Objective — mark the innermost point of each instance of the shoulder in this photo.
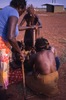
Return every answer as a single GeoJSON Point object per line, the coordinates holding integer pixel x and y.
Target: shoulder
{"type": "Point", "coordinates": [38, 19]}
{"type": "Point", "coordinates": [36, 16]}
{"type": "Point", "coordinates": [26, 16]}
{"type": "Point", "coordinates": [13, 12]}
{"type": "Point", "coordinates": [9, 11]}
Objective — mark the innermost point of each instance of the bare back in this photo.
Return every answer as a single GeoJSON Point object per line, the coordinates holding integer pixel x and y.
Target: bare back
{"type": "Point", "coordinates": [45, 62]}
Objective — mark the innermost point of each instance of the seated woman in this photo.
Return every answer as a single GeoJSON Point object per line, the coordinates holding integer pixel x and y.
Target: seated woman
{"type": "Point", "coordinates": [45, 76]}
{"type": "Point", "coordinates": [55, 53]}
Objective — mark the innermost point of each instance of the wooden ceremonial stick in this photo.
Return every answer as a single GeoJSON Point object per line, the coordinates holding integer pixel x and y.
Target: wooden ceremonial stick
{"type": "Point", "coordinates": [34, 33]}
{"type": "Point", "coordinates": [33, 37]}
{"type": "Point", "coordinates": [24, 86]}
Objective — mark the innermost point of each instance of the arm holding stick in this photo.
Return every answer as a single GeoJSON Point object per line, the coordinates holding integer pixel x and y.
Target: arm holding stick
{"type": "Point", "coordinates": [21, 28]}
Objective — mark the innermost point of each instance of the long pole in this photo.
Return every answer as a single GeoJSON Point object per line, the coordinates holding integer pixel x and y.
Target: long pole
{"type": "Point", "coordinates": [24, 86]}
{"type": "Point", "coordinates": [33, 37]}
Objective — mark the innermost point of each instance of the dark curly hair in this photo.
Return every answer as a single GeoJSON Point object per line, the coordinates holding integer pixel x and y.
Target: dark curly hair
{"type": "Point", "coordinates": [18, 3]}
{"type": "Point", "coordinates": [41, 43]}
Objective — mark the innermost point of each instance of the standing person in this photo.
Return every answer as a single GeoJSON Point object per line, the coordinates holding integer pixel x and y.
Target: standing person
{"type": "Point", "coordinates": [9, 16]}
{"type": "Point", "coordinates": [32, 22]}
{"type": "Point", "coordinates": [44, 78]}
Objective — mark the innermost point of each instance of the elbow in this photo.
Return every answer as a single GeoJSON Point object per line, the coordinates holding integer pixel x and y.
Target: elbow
{"type": "Point", "coordinates": [10, 39]}
{"type": "Point", "coordinates": [41, 26]}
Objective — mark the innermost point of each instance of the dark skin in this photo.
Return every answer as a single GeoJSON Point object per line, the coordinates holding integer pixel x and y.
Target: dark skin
{"type": "Point", "coordinates": [31, 22]}
{"type": "Point", "coordinates": [11, 32]}
{"type": "Point", "coordinates": [43, 62]}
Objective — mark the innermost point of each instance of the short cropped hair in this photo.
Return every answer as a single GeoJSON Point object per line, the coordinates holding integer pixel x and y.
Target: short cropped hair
{"type": "Point", "coordinates": [41, 43]}
{"type": "Point", "coordinates": [18, 3]}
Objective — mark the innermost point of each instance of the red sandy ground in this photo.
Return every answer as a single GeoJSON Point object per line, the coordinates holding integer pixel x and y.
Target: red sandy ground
{"type": "Point", "coordinates": [54, 29]}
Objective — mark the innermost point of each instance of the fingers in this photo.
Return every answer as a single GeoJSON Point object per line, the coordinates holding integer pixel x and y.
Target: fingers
{"type": "Point", "coordinates": [34, 27]}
